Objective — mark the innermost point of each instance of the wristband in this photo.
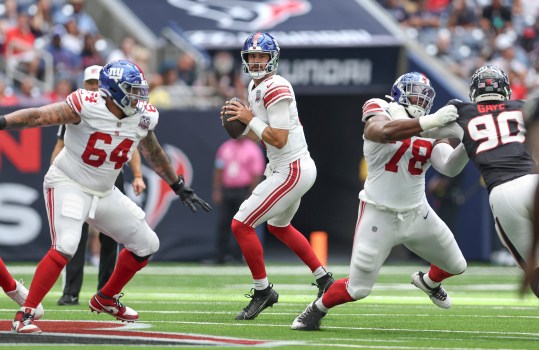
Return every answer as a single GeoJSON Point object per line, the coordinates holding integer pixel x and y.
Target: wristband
{"type": "Point", "coordinates": [2, 122]}
{"type": "Point", "coordinates": [257, 126]}
{"type": "Point", "coordinates": [178, 186]}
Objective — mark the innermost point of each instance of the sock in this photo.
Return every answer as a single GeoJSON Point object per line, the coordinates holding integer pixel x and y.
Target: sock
{"type": "Point", "coordinates": [47, 272]}
{"type": "Point", "coordinates": [335, 295]}
{"type": "Point", "coordinates": [126, 267]}
{"type": "Point", "coordinates": [251, 248]}
{"type": "Point", "coordinates": [261, 284]}
{"type": "Point", "coordinates": [297, 243]}
{"type": "Point", "coordinates": [7, 282]}
{"type": "Point", "coordinates": [320, 305]}
{"type": "Point", "coordinates": [435, 276]}
{"type": "Point", "coordinates": [320, 272]}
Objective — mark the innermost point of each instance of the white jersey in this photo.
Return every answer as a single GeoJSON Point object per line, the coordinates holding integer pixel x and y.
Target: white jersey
{"type": "Point", "coordinates": [396, 170]}
{"type": "Point", "coordinates": [97, 147]}
{"type": "Point", "coordinates": [273, 89]}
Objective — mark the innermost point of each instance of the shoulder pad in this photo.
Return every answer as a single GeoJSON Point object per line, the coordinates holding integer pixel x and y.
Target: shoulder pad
{"type": "Point", "coordinates": [277, 88]}
{"type": "Point", "coordinates": [375, 106]}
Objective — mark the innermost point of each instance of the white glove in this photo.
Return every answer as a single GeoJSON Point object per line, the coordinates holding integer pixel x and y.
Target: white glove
{"type": "Point", "coordinates": [452, 130]}
{"type": "Point", "coordinates": [440, 118]}
{"type": "Point", "coordinates": [397, 111]}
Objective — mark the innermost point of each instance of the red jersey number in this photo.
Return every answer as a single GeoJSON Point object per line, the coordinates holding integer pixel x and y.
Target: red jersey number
{"type": "Point", "coordinates": [96, 157]}
{"type": "Point", "coordinates": [421, 151]}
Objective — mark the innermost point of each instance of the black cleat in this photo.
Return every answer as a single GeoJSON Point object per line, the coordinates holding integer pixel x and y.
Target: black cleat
{"type": "Point", "coordinates": [260, 299]}
{"type": "Point", "coordinates": [67, 299]}
{"type": "Point", "coordinates": [323, 284]}
{"type": "Point", "coordinates": [309, 319]}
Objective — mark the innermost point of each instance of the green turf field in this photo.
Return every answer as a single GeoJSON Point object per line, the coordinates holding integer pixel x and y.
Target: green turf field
{"type": "Point", "coordinates": [487, 312]}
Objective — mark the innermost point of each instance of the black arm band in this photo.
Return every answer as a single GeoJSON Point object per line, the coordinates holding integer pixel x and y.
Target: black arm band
{"type": "Point", "coordinates": [178, 186]}
{"type": "Point", "coordinates": [2, 122]}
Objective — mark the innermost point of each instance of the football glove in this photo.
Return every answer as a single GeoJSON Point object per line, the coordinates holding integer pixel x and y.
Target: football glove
{"type": "Point", "coordinates": [188, 196]}
{"type": "Point", "coordinates": [440, 118]}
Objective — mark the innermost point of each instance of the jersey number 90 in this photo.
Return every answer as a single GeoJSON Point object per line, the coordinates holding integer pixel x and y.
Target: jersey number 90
{"type": "Point", "coordinates": [490, 132]}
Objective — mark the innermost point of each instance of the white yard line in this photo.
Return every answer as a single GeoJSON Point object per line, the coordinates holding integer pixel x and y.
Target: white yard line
{"type": "Point", "coordinates": [280, 269]}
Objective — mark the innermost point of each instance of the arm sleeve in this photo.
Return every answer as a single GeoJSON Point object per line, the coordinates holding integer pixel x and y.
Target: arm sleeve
{"type": "Point", "coordinates": [279, 114]}
{"type": "Point", "coordinates": [447, 160]}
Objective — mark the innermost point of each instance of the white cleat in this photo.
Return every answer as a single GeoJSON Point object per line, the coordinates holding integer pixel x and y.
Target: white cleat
{"type": "Point", "coordinates": [19, 295]}
{"type": "Point", "coordinates": [437, 295]}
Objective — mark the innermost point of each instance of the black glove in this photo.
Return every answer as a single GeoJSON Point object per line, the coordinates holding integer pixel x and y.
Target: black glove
{"type": "Point", "coordinates": [188, 196]}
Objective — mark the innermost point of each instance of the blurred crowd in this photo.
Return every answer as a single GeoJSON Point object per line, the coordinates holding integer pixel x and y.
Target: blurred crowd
{"type": "Point", "coordinates": [46, 44]}
{"type": "Point", "coordinates": [467, 34]}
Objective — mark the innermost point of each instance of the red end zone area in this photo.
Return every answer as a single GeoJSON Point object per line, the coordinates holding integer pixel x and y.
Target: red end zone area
{"type": "Point", "coordinates": [83, 332]}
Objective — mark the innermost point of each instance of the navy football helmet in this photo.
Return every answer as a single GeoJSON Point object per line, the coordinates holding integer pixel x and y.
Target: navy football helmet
{"type": "Point", "coordinates": [489, 83]}
{"type": "Point", "coordinates": [260, 42]}
{"type": "Point", "coordinates": [124, 82]}
{"type": "Point", "coordinates": [414, 92]}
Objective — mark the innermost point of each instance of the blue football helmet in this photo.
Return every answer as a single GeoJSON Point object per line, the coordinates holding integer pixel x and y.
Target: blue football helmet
{"type": "Point", "coordinates": [414, 92]}
{"type": "Point", "coordinates": [124, 82]}
{"type": "Point", "coordinates": [260, 42]}
{"type": "Point", "coordinates": [489, 83]}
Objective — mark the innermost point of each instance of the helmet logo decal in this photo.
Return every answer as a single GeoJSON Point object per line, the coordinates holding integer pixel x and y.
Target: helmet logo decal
{"type": "Point", "coordinates": [116, 73]}
{"type": "Point", "coordinates": [255, 40]}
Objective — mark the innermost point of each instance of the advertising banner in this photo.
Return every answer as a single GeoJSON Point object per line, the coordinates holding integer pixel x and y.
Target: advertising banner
{"type": "Point", "coordinates": [190, 140]}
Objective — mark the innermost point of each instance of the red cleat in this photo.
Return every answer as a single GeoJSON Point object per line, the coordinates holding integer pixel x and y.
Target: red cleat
{"type": "Point", "coordinates": [112, 306]}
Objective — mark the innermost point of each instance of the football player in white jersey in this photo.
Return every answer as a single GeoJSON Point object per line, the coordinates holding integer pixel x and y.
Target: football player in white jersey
{"type": "Point", "coordinates": [393, 208]}
{"type": "Point", "coordinates": [272, 117]}
{"type": "Point", "coordinates": [103, 129]}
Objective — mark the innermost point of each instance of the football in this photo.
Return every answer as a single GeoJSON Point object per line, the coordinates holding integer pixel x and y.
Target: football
{"type": "Point", "coordinates": [234, 128]}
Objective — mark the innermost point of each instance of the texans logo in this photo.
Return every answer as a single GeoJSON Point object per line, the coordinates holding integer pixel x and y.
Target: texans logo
{"type": "Point", "coordinates": [158, 196]}
{"type": "Point", "coordinates": [244, 15]}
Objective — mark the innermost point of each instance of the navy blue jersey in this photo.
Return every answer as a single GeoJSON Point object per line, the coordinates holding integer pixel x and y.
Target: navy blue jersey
{"type": "Point", "coordinates": [494, 138]}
